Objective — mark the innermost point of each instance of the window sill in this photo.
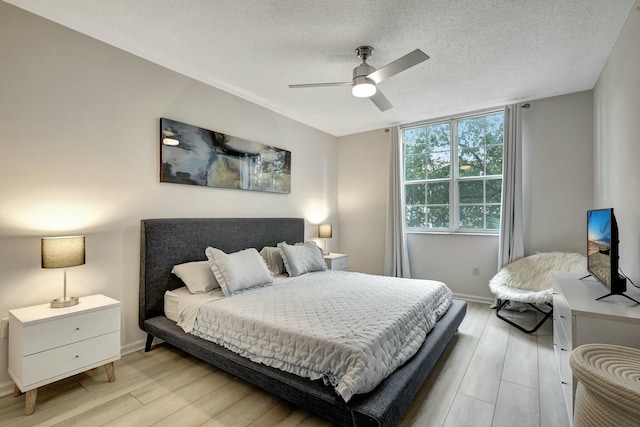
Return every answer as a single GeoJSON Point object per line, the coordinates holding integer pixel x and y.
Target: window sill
{"type": "Point", "coordinates": [453, 233]}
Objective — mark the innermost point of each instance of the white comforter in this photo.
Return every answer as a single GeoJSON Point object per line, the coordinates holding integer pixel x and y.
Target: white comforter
{"type": "Point", "coordinates": [350, 329]}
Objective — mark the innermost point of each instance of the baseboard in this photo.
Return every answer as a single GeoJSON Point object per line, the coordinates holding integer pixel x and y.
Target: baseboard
{"type": "Point", "coordinates": [474, 298]}
{"type": "Point", "coordinates": [132, 347]}
{"type": "Point", "coordinates": [6, 388]}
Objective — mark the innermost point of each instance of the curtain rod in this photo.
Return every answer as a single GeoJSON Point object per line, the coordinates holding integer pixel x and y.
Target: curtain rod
{"type": "Point", "coordinates": [525, 106]}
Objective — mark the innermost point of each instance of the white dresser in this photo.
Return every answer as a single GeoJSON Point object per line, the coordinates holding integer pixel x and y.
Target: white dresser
{"type": "Point", "coordinates": [337, 261]}
{"type": "Point", "coordinates": [48, 344]}
{"type": "Point", "coordinates": [579, 319]}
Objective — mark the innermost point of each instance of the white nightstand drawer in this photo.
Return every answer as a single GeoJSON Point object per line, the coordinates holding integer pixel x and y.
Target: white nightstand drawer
{"type": "Point", "coordinates": [79, 357]}
{"type": "Point", "coordinates": [340, 263]}
{"type": "Point", "coordinates": [337, 261]}
{"type": "Point", "coordinates": [66, 330]}
{"type": "Point", "coordinates": [48, 344]}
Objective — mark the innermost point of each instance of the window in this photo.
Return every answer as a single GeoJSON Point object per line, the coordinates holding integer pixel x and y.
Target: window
{"type": "Point", "coordinates": [453, 173]}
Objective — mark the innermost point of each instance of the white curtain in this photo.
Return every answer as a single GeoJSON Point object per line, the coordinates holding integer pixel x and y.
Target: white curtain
{"type": "Point", "coordinates": [396, 261]}
{"type": "Point", "coordinates": [511, 245]}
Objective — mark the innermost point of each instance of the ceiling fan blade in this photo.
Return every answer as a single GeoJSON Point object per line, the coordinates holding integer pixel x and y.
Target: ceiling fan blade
{"type": "Point", "coordinates": [381, 101]}
{"type": "Point", "coordinates": [321, 85]}
{"type": "Point", "coordinates": [399, 65]}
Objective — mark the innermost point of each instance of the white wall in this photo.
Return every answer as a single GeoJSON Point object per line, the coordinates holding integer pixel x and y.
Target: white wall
{"type": "Point", "coordinates": [363, 172]}
{"type": "Point", "coordinates": [363, 177]}
{"type": "Point", "coordinates": [452, 258]}
{"type": "Point", "coordinates": [557, 172]}
{"type": "Point", "coordinates": [617, 141]}
{"type": "Point", "coordinates": [79, 154]}
{"type": "Point", "coordinates": [557, 181]}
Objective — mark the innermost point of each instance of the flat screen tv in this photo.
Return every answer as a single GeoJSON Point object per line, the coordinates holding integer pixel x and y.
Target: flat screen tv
{"type": "Point", "coordinates": [602, 252]}
{"type": "Point", "coordinates": [602, 249]}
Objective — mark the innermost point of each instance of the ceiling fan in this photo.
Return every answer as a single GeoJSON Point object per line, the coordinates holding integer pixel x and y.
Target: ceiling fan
{"type": "Point", "coordinates": [366, 77]}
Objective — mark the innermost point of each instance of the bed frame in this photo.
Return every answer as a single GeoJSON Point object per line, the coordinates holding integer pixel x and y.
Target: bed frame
{"type": "Point", "coordinates": [167, 242]}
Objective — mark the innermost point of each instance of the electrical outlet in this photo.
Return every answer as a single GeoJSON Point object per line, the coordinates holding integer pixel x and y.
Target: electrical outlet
{"type": "Point", "coordinates": [4, 328]}
{"type": "Point", "coordinates": [476, 271]}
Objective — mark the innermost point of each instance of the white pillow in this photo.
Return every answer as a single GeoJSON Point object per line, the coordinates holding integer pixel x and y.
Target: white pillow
{"type": "Point", "coordinates": [273, 258]}
{"type": "Point", "coordinates": [197, 276]}
{"type": "Point", "coordinates": [238, 271]}
{"type": "Point", "coordinates": [300, 259]}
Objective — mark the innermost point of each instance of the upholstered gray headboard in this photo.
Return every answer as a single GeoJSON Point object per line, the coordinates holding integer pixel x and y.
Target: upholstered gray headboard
{"type": "Point", "coordinates": [167, 242]}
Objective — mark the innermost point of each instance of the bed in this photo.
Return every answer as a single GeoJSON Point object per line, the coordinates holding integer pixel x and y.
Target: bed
{"type": "Point", "coordinates": [168, 242]}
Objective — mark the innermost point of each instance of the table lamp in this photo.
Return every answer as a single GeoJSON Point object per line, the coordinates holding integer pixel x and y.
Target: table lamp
{"type": "Point", "coordinates": [325, 232]}
{"type": "Point", "coordinates": [63, 252]}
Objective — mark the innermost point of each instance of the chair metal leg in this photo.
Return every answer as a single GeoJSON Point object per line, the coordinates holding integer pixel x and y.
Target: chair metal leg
{"type": "Point", "coordinates": [547, 315]}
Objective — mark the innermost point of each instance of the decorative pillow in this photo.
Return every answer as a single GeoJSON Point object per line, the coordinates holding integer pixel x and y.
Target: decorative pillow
{"type": "Point", "coordinates": [300, 259]}
{"type": "Point", "coordinates": [238, 271]}
{"type": "Point", "coordinates": [197, 276]}
{"type": "Point", "coordinates": [273, 258]}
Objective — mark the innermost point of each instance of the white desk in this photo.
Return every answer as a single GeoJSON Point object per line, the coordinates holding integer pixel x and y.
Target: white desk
{"type": "Point", "coordinates": [579, 319]}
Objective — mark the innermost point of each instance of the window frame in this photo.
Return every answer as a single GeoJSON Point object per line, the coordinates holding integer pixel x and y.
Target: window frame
{"type": "Point", "coordinates": [454, 175]}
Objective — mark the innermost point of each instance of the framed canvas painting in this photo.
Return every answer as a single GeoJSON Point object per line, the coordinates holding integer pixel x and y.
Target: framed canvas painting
{"type": "Point", "coordinates": [196, 156]}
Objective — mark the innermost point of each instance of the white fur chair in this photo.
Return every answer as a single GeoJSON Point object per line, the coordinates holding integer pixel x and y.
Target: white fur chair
{"type": "Point", "coordinates": [529, 280]}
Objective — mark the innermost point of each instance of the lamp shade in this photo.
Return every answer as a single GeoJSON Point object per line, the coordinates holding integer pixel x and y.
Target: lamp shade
{"type": "Point", "coordinates": [324, 231]}
{"type": "Point", "coordinates": [62, 252]}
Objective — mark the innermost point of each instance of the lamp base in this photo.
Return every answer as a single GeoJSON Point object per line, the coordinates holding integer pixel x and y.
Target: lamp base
{"type": "Point", "coordinates": [64, 302]}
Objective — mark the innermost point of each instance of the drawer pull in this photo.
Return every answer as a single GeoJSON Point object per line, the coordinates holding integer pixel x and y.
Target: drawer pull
{"type": "Point", "coordinates": [77, 329]}
{"type": "Point", "coordinates": [563, 349]}
{"type": "Point", "coordinates": [562, 317]}
{"type": "Point", "coordinates": [563, 382]}
{"type": "Point", "coordinates": [77, 357]}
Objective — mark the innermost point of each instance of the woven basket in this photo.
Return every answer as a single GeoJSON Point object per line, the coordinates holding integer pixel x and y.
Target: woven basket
{"type": "Point", "coordinates": [608, 392]}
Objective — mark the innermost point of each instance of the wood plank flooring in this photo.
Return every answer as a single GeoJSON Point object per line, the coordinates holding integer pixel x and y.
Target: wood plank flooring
{"type": "Point", "coordinates": [491, 374]}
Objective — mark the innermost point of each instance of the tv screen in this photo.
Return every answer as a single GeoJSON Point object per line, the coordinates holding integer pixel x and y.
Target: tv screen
{"type": "Point", "coordinates": [602, 250]}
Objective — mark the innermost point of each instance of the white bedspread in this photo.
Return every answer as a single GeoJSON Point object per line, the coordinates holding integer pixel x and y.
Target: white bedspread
{"type": "Point", "coordinates": [350, 329]}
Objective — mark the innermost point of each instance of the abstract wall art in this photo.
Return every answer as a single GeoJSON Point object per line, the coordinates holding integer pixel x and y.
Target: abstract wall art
{"type": "Point", "coordinates": [196, 156]}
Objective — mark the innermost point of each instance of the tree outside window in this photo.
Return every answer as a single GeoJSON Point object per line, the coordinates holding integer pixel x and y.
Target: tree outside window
{"type": "Point", "coordinates": [453, 174]}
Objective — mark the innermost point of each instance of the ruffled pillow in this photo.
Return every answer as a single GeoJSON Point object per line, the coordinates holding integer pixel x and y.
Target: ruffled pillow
{"type": "Point", "coordinates": [238, 271]}
{"type": "Point", "coordinates": [300, 259]}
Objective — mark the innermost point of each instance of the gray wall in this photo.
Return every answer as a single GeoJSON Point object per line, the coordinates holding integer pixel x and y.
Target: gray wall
{"type": "Point", "coordinates": [557, 185]}
{"type": "Point", "coordinates": [617, 141]}
{"type": "Point", "coordinates": [363, 182]}
{"type": "Point", "coordinates": [79, 154]}
{"type": "Point", "coordinates": [557, 172]}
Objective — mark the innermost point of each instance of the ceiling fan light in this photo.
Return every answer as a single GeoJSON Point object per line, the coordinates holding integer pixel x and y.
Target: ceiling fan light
{"type": "Point", "coordinates": [363, 88]}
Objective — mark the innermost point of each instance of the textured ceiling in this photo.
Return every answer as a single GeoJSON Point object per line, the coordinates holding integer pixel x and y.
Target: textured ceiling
{"type": "Point", "coordinates": [483, 53]}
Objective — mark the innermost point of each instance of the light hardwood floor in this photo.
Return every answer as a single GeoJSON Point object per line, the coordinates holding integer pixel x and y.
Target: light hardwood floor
{"type": "Point", "coordinates": [491, 374]}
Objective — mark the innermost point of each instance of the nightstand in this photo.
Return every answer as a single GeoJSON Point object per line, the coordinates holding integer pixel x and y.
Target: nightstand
{"type": "Point", "coordinates": [337, 261]}
{"type": "Point", "coordinates": [48, 344]}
